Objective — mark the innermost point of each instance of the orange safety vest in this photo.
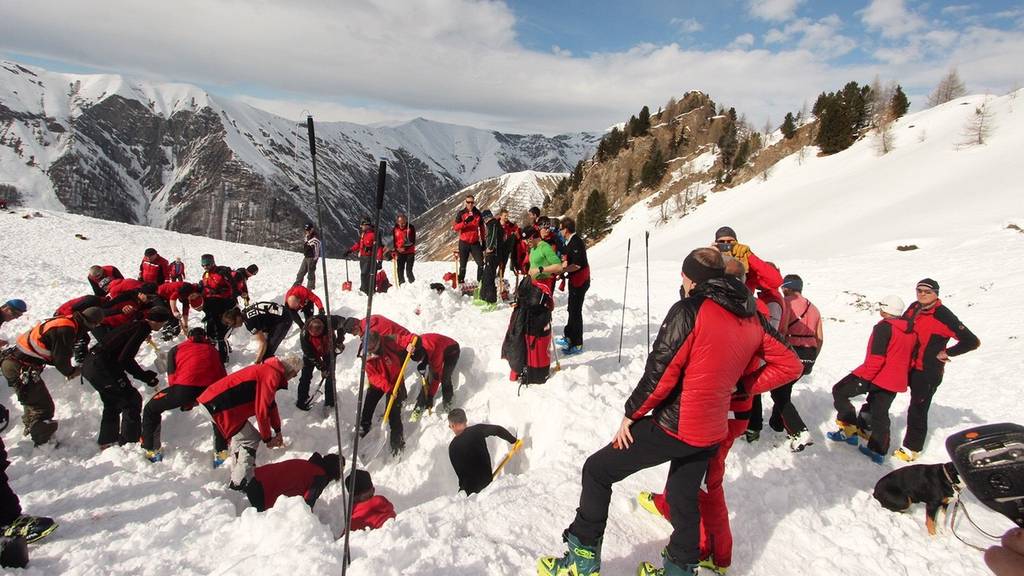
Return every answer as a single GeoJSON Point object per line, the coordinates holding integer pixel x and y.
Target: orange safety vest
{"type": "Point", "coordinates": [31, 343]}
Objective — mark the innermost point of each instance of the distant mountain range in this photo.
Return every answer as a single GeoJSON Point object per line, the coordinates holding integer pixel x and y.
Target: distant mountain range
{"type": "Point", "coordinates": [174, 156]}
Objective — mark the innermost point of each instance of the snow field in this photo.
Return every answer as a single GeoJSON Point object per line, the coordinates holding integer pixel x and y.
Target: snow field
{"type": "Point", "coordinates": [809, 513]}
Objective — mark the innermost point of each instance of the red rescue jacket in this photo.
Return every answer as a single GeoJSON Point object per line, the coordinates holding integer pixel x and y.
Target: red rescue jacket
{"type": "Point", "coordinates": [469, 231]}
{"type": "Point", "coordinates": [305, 296]}
{"type": "Point", "coordinates": [434, 346]}
{"type": "Point", "coordinates": [294, 477]}
{"type": "Point", "coordinates": [118, 287]}
{"type": "Point", "coordinates": [372, 513]}
{"type": "Point", "coordinates": [364, 247]}
{"type": "Point", "coordinates": [934, 327]}
{"type": "Point", "coordinates": [388, 327]}
{"type": "Point", "coordinates": [249, 392]}
{"type": "Point", "coordinates": [891, 351]}
{"type": "Point", "coordinates": [157, 272]}
{"type": "Point", "coordinates": [195, 364]}
{"type": "Point", "coordinates": [404, 239]}
{"type": "Point", "coordinates": [383, 367]}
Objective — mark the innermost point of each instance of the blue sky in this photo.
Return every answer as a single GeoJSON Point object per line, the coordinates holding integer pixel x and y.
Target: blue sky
{"type": "Point", "coordinates": [523, 66]}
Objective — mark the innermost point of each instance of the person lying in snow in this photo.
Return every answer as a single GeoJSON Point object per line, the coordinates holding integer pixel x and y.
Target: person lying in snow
{"type": "Point", "coordinates": [295, 477]}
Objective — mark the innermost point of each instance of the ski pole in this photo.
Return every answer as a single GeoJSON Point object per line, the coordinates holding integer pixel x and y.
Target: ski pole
{"type": "Point", "coordinates": [625, 284]}
{"type": "Point", "coordinates": [647, 266]}
{"type": "Point", "coordinates": [394, 268]}
{"type": "Point", "coordinates": [398, 382]}
{"type": "Point", "coordinates": [381, 180]}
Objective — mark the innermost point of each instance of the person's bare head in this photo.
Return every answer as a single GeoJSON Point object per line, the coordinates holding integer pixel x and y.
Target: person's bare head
{"type": "Point", "coordinates": [315, 326]}
{"type": "Point", "coordinates": [293, 302]}
{"type": "Point", "coordinates": [232, 318]}
{"type": "Point", "coordinates": [401, 219]}
{"type": "Point", "coordinates": [503, 216]}
{"type": "Point", "coordinates": [96, 272]}
{"type": "Point", "coordinates": [457, 421]}
{"type": "Point", "coordinates": [734, 267]}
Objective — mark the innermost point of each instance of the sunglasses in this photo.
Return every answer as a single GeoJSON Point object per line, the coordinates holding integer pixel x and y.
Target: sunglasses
{"type": "Point", "coordinates": [925, 291]}
{"type": "Point", "coordinates": [470, 202]}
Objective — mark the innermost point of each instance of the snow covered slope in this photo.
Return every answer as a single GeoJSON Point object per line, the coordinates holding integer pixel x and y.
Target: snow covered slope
{"type": "Point", "coordinates": [836, 221]}
{"type": "Point", "coordinates": [173, 156]}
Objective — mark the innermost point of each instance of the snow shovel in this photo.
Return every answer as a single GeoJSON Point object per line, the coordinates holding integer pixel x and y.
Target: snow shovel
{"type": "Point", "coordinates": [160, 363]}
{"type": "Point", "coordinates": [394, 267]}
{"type": "Point", "coordinates": [455, 277]}
{"type": "Point", "coordinates": [370, 449]}
{"type": "Point", "coordinates": [346, 286]}
{"type": "Point", "coordinates": [511, 452]}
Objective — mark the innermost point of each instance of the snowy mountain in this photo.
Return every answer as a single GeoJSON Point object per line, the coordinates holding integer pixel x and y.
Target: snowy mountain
{"type": "Point", "coordinates": [516, 192]}
{"type": "Point", "coordinates": [173, 156]}
{"type": "Point", "coordinates": [837, 221]}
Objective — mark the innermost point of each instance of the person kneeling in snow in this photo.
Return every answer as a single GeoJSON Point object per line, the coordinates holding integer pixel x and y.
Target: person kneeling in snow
{"type": "Point", "coordinates": [249, 392]}
{"type": "Point", "coordinates": [296, 477]}
{"type": "Point", "coordinates": [370, 511]}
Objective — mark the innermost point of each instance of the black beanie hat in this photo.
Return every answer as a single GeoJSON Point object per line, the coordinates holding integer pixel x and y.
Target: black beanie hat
{"type": "Point", "coordinates": [150, 252]}
{"type": "Point", "coordinates": [158, 314]}
{"type": "Point", "coordinates": [725, 231]}
{"type": "Point", "coordinates": [363, 482]}
{"type": "Point", "coordinates": [929, 284]}
{"type": "Point", "coordinates": [699, 273]}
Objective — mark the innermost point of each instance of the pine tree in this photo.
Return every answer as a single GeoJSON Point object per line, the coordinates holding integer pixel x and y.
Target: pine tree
{"type": "Point", "coordinates": [594, 215]}
{"type": "Point", "coordinates": [654, 168]}
{"type": "Point", "coordinates": [949, 88]}
{"type": "Point", "coordinates": [899, 104]}
{"type": "Point", "coordinates": [644, 121]}
{"type": "Point", "coordinates": [788, 126]}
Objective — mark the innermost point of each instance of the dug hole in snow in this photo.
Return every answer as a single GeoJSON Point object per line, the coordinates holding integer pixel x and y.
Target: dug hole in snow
{"type": "Point", "coordinates": [836, 221]}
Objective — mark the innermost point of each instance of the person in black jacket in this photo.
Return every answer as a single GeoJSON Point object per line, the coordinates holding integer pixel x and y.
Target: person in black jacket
{"type": "Point", "coordinates": [105, 368]}
{"type": "Point", "coordinates": [576, 266]}
{"type": "Point", "coordinates": [311, 249]}
{"type": "Point", "coordinates": [492, 243]}
{"type": "Point", "coordinates": [314, 343]}
{"type": "Point", "coordinates": [468, 451]}
{"type": "Point", "coordinates": [268, 322]}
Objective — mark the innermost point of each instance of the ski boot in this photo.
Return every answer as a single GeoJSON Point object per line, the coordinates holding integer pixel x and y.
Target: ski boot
{"type": "Point", "coordinates": [752, 436]}
{"type": "Point", "coordinates": [417, 413]}
{"type": "Point", "coordinates": [41, 431]}
{"type": "Point", "coordinates": [31, 528]}
{"type": "Point", "coordinates": [219, 458]}
{"type": "Point", "coordinates": [848, 433]}
{"type": "Point", "coordinates": [708, 565]}
{"type": "Point", "coordinates": [876, 457]}
{"type": "Point", "coordinates": [155, 456]}
{"type": "Point", "coordinates": [646, 501]}
{"type": "Point", "coordinates": [670, 569]}
{"type": "Point", "coordinates": [562, 342]}
{"type": "Point", "coordinates": [906, 454]}
{"type": "Point", "coordinates": [571, 350]}
{"type": "Point", "coordinates": [800, 440]}
{"type": "Point", "coordinates": [579, 560]}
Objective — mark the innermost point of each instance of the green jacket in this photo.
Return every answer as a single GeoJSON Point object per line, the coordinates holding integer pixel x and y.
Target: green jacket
{"type": "Point", "coordinates": [543, 255]}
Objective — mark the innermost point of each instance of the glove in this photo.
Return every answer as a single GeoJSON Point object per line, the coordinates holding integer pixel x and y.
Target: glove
{"type": "Point", "coordinates": [422, 368]}
{"type": "Point", "coordinates": [150, 378]}
{"type": "Point", "coordinates": [5, 417]}
{"type": "Point", "coordinates": [276, 442]}
{"type": "Point", "coordinates": [740, 251]}
{"type": "Point", "coordinates": [320, 311]}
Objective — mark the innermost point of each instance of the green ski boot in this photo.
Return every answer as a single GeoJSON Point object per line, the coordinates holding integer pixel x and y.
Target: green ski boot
{"type": "Point", "coordinates": [579, 560]}
{"type": "Point", "coordinates": [670, 569]}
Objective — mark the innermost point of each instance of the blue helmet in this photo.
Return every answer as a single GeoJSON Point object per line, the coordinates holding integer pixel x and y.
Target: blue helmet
{"type": "Point", "coordinates": [16, 304]}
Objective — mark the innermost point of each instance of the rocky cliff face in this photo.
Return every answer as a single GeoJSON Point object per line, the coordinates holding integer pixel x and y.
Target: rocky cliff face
{"type": "Point", "coordinates": [174, 157]}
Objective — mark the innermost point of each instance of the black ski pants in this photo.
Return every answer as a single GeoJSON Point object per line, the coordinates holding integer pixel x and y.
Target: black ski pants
{"type": "Point", "coordinates": [874, 416]}
{"type": "Point", "coordinates": [488, 288]}
{"type": "Point", "coordinates": [784, 414]}
{"type": "Point", "coordinates": [451, 360]}
{"type": "Point", "coordinates": [373, 396]}
{"type": "Point", "coordinates": [574, 326]}
{"type": "Point", "coordinates": [213, 308]}
{"type": "Point", "coordinates": [923, 384]}
{"type": "Point", "coordinates": [277, 335]}
{"type": "Point", "coordinates": [174, 396]}
{"type": "Point", "coordinates": [405, 262]}
{"type": "Point", "coordinates": [651, 446]}
{"type": "Point", "coordinates": [121, 420]}
{"type": "Point", "coordinates": [10, 506]}
{"type": "Point", "coordinates": [366, 275]}
{"type": "Point", "coordinates": [303, 400]}
{"type": "Point", "coordinates": [477, 250]}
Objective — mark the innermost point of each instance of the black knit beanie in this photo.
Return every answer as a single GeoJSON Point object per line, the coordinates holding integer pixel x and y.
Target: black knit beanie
{"type": "Point", "coordinates": [699, 273]}
{"type": "Point", "coordinates": [725, 231]}
{"type": "Point", "coordinates": [929, 284]}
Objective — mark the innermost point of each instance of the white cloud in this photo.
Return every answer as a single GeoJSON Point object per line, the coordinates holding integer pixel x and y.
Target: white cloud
{"type": "Point", "coordinates": [742, 42]}
{"type": "Point", "coordinates": [774, 10]}
{"type": "Point", "coordinates": [957, 9]}
{"type": "Point", "coordinates": [891, 18]}
{"type": "Point", "coordinates": [460, 61]}
{"type": "Point", "coordinates": [687, 25]}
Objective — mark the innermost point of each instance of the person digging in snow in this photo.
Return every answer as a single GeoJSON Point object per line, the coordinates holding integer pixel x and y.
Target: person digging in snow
{"type": "Point", "coordinates": [295, 477]}
{"type": "Point", "coordinates": [468, 451]}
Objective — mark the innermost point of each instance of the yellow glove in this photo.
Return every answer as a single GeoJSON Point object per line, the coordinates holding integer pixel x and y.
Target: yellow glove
{"type": "Point", "coordinates": [740, 252]}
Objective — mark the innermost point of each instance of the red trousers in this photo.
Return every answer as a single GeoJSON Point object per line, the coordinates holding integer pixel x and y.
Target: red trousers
{"type": "Point", "coordinates": [715, 534]}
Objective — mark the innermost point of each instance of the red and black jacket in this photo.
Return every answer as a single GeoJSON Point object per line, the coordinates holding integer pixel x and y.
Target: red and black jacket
{"type": "Point", "coordinates": [78, 304]}
{"type": "Point", "coordinates": [430, 349]}
{"type": "Point", "coordinates": [761, 275]}
{"type": "Point", "coordinates": [156, 271]}
{"type": "Point", "coordinates": [404, 239]}
{"type": "Point", "coordinates": [315, 347]}
{"type": "Point", "coordinates": [296, 477]}
{"type": "Point", "coordinates": [119, 287]}
{"type": "Point", "coordinates": [216, 283]}
{"type": "Point", "coordinates": [705, 345]}
{"type": "Point", "coordinates": [388, 327]}
{"type": "Point", "coordinates": [372, 513]}
{"type": "Point", "coordinates": [469, 225]}
{"type": "Point", "coordinates": [934, 327]}
{"type": "Point", "coordinates": [364, 247]}
{"type": "Point", "coordinates": [99, 287]}
{"type": "Point", "coordinates": [890, 354]}
{"type": "Point", "coordinates": [382, 368]}
{"type": "Point", "coordinates": [240, 282]}
{"type": "Point", "coordinates": [305, 296]}
{"type": "Point", "coordinates": [194, 363]}
{"type": "Point", "coordinates": [249, 392]}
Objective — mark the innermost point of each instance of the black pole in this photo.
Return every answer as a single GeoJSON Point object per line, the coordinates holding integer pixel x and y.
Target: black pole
{"type": "Point", "coordinates": [382, 171]}
{"type": "Point", "coordinates": [331, 382]}
{"type": "Point", "coordinates": [647, 266]}
{"type": "Point", "coordinates": [625, 284]}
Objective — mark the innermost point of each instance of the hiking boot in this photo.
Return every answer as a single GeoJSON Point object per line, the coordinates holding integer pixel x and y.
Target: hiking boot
{"type": "Point", "coordinates": [239, 486]}
{"type": "Point", "coordinates": [708, 565]}
{"type": "Point", "coordinates": [447, 405]}
{"type": "Point", "coordinates": [646, 501]}
{"type": "Point", "coordinates": [41, 431]}
{"type": "Point", "coordinates": [220, 458]}
{"type": "Point", "coordinates": [848, 433]}
{"type": "Point", "coordinates": [906, 454]}
{"type": "Point", "coordinates": [800, 440]}
{"type": "Point", "coordinates": [579, 560]}
{"type": "Point", "coordinates": [752, 436]}
{"type": "Point", "coordinates": [876, 457]}
{"type": "Point", "coordinates": [155, 456]}
{"type": "Point", "coordinates": [31, 528]}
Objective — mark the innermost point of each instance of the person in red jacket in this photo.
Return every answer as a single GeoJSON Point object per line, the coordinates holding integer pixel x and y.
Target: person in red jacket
{"type": "Point", "coordinates": [241, 395]}
{"type": "Point", "coordinates": [469, 226]}
{"type": "Point", "coordinates": [363, 249]}
{"type": "Point", "coordinates": [378, 323]}
{"type": "Point", "coordinates": [370, 511]}
{"type": "Point", "coordinates": [240, 281]}
{"type": "Point", "coordinates": [100, 277]}
{"type": "Point", "coordinates": [882, 375]}
{"type": "Point", "coordinates": [403, 247]}
{"type": "Point", "coordinates": [174, 293]}
{"type": "Point", "coordinates": [383, 366]}
{"type": "Point", "coordinates": [934, 325]}
{"type": "Point", "coordinates": [118, 287]}
{"type": "Point", "coordinates": [218, 297]}
{"type": "Point", "coordinates": [704, 347]}
{"type": "Point", "coordinates": [509, 239]}
{"type": "Point", "coordinates": [299, 298]}
{"type": "Point", "coordinates": [295, 477]}
{"type": "Point", "coordinates": [760, 275]}
{"type": "Point", "coordinates": [191, 367]}
{"type": "Point", "coordinates": [154, 269]}
{"type": "Point", "coordinates": [437, 356]}
{"type": "Point", "coordinates": [315, 354]}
